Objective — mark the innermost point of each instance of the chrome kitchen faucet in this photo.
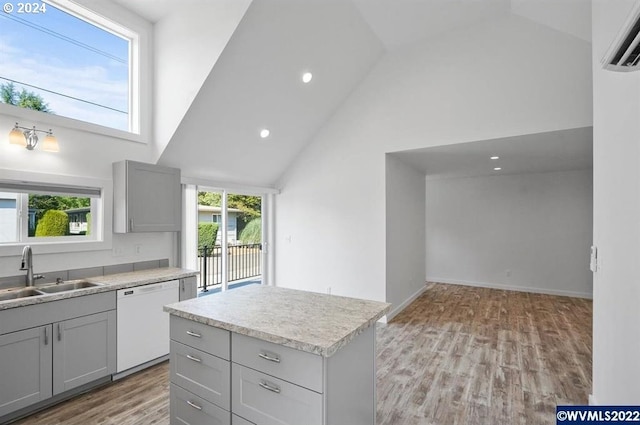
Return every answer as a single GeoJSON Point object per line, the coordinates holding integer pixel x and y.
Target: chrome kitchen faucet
{"type": "Point", "coordinates": [27, 264]}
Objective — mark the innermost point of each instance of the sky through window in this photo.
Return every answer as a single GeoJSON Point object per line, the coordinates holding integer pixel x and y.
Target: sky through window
{"type": "Point", "coordinates": [79, 69]}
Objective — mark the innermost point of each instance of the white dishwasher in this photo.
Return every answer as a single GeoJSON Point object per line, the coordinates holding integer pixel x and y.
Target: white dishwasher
{"type": "Point", "coordinates": [143, 328]}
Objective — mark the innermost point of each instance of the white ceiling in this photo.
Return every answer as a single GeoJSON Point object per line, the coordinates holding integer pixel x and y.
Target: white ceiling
{"type": "Point", "coordinates": [534, 153]}
{"type": "Point", "coordinates": [399, 22]}
{"type": "Point", "coordinates": [255, 82]}
{"type": "Point", "coordinates": [154, 10]}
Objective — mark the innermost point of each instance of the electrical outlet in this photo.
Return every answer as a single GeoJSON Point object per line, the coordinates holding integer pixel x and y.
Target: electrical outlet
{"type": "Point", "coordinates": [117, 252]}
{"type": "Point", "coordinates": [507, 273]}
{"type": "Point", "coordinates": [138, 249]}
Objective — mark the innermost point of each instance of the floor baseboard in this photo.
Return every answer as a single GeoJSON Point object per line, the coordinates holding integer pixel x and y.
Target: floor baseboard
{"type": "Point", "coordinates": [396, 310]}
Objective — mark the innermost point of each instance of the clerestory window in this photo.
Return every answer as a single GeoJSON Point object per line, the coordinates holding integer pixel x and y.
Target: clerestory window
{"type": "Point", "coordinates": [63, 59]}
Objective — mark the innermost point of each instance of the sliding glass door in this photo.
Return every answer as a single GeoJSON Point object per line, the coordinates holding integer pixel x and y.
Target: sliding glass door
{"type": "Point", "coordinates": [229, 232]}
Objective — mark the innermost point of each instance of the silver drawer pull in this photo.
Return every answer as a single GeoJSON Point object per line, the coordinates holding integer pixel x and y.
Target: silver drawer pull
{"type": "Point", "coordinates": [272, 388]}
{"type": "Point", "coordinates": [270, 357]}
{"type": "Point", "coordinates": [195, 359]}
{"type": "Point", "coordinates": [195, 406]}
{"type": "Point", "coordinates": [194, 334]}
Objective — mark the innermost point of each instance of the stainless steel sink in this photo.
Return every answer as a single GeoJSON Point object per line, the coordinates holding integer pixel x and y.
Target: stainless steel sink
{"type": "Point", "coordinates": [14, 294]}
{"type": "Point", "coordinates": [68, 286]}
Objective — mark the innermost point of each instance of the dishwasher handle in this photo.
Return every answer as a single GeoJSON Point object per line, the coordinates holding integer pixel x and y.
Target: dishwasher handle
{"type": "Point", "coordinates": [145, 289]}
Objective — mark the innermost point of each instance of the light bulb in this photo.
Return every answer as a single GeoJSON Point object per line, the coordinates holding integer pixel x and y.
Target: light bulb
{"type": "Point", "coordinates": [50, 143]}
{"type": "Point", "coordinates": [16, 137]}
{"type": "Point", "coordinates": [306, 77]}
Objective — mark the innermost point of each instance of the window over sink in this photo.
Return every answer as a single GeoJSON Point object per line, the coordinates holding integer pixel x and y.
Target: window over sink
{"type": "Point", "coordinates": [53, 215]}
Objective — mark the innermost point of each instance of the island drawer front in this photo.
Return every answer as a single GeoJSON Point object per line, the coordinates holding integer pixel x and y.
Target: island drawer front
{"type": "Point", "coordinates": [266, 400]}
{"type": "Point", "coordinates": [187, 408]}
{"type": "Point", "coordinates": [298, 367]}
{"type": "Point", "coordinates": [203, 337]}
{"type": "Point", "coordinates": [237, 420]}
{"type": "Point", "coordinates": [207, 376]}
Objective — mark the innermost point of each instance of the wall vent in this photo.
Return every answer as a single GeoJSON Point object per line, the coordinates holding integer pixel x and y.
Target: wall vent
{"type": "Point", "coordinates": [624, 53]}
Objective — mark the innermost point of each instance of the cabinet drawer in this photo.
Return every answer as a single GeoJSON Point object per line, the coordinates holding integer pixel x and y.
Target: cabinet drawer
{"type": "Point", "coordinates": [298, 367]}
{"type": "Point", "coordinates": [187, 408]}
{"type": "Point", "coordinates": [266, 400]}
{"type": "Point", "coordinates": [206, 338]}
{"type": "Point", "coordinates": [204, 375]}
{"type": "Point", "coordinates": [237, 420]}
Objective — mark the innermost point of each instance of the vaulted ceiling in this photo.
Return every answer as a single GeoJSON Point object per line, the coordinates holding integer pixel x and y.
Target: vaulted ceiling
{"type": "Point", "coordinates": [256, 82]}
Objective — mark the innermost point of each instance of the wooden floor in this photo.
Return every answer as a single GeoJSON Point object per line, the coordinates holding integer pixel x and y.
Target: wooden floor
{"type": "Point", "coordinates": [462, 355]}
{"type": "Point", "coordinates": [457, 355]}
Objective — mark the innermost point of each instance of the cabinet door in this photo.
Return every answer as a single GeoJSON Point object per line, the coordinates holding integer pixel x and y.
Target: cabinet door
{"type": "Point", "coordinates": [83, 350]}
{"type": "Point", "coordinates": [153, 198]}
{"type": "Point", "coordinates": [266, 400]}
{"type": "Point", "coordinates": [207, 376]}
{"type": "Point", "coordinates": [188, 409]}
{"type": "Point", "coordinates": [188, 288]}
{"type": "Point", "coordinates": [25, 368]}
{"type": "Point", "coordinates": [237, 420]}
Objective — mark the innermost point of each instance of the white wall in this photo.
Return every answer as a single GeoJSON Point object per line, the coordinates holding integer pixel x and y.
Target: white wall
{"type": "Point", "coordinates": [526, 231]}
{"type": "Point", "coordinates": [493, 80]}
{"type": "Point", "coordinates": [405, 233]}
{"type": "Point", "coordinates": [616, 146]}
{"type": "Point", "coordinates": [188, 42]}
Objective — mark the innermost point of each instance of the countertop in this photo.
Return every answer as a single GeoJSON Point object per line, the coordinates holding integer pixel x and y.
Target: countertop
{"type": "Point", "coordinates": [316, 323]}
{"type": "Point", "coordinates": [107, 283]}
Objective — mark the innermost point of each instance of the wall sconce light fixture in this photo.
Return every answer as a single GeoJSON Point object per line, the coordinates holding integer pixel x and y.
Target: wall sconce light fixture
{"type": "Point", "coordinates": [28, 138]}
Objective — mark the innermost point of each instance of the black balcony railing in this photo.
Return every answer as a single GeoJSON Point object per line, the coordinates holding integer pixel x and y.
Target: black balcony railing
{"type": "Point", "coordinates": [244, 261]}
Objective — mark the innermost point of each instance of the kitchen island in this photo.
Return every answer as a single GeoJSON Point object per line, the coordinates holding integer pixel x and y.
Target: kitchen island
{"type": "Point", "coordinates": [267, 355]}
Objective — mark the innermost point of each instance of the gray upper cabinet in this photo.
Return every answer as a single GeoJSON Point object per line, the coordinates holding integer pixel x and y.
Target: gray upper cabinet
{"type": "Point", "coordinates": [146, 198]}
{"type": "Point", "coordinates": [25, 368]}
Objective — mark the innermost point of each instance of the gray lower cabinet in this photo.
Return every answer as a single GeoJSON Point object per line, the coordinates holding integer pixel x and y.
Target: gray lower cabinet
{"type": "Point", "coordinates": [267, 383]}
{"type": "Point", "coordinates": [266, 399]}
{"type": "Point", "coordinates": [237, 420]}
{"type": "Point", "coordinates": [188, 288]}
{"type": "Point", "coordinates": [83, 350]}
{"type": "Point", "coordinates": [50, 348]}
{"type": "Point", "coordinates": [189, 409]}
{"type": "Point", "coordinates": [200, 374]}
{"type": "Point", "coordinates": [25, 368]}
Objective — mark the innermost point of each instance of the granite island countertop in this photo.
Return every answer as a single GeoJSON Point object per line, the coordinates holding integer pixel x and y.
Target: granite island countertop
{"type": "Point", "coordinates": [312, 322]}
{"type": "Point", "coordinates": [111, 282]}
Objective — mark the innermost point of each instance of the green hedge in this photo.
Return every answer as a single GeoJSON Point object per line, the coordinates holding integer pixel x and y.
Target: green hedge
{"type": "Point", "coordinates": [53, 223]}
{"type": "Point", "coordinates": [207, 233]}
{"type": "Point", "coordinates": [252, 232]}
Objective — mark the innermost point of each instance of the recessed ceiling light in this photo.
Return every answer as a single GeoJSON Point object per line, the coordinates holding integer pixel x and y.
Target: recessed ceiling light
{"type": "Point", "coordinates": [495, 157]}
{"type": "Point", "coordinates": [264, 133]}
{"type": "Point", "coordinates": [497, 169]}
{"type": "Point", "coordinates": [306, 77]}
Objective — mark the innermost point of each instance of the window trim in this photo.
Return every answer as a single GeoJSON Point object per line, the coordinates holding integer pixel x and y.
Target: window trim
{"type": "Point", "coordinates": [141, 56]}
{"type": "Point", "coordinates": [102, 215]}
